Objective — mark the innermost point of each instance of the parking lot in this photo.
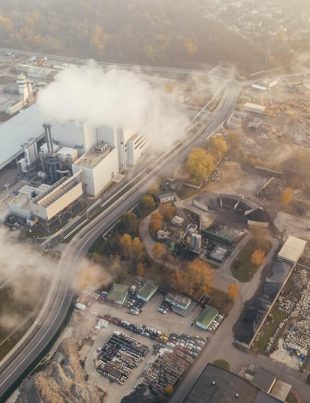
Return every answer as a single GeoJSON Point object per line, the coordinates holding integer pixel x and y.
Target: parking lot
{"type": "Point", "coordinates": [177, 332]}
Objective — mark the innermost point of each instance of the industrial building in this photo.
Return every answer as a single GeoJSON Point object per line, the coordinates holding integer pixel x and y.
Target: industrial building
{"type": "Point", "coordinates": [118, 293]}
{"type": "Point", "coordinates": [217, 385]}
{"type": "Point", "coordinates": [98, 167]}
{"type": "Point", "coordinates": [146, 292]}
{"type": "Point", "coordinates": [255, 108]}
{"type": "Point", "coordinates": [50, 153]}
{"type": "Point", "coordinates": [57, 198]}
{"type": "Point", "coordinates": [206, 317]}
{"type": "Point", "coordinates": [292, 250]}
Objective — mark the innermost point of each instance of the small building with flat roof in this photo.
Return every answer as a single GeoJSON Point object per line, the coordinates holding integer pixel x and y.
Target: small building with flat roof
{"type": "Point", "coordinates": [147, 291]}
{"type": "Point", "coordinates": [292, 249]}
{"type": "Point", "coordinates": [249, 107]}
{"type": "Point", "coordinates": [118, 293]}
{"type": "Point", "coordinates": [179, 301]}
{"type": "Point", "coordinates": [206, 317]}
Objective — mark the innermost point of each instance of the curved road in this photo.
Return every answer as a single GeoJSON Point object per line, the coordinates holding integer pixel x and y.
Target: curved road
{"type": "Point", "coordinates": [59, 299]}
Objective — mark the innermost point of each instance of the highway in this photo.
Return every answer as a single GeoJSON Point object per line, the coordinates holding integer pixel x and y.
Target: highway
{"type": "Point", "coordinates": [59, 299]}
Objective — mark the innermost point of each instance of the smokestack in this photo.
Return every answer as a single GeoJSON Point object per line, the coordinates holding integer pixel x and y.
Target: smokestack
{"type": "Point", "coordinates": [50, 138]}
{"type": "Point", "coordinates": [47, 137]}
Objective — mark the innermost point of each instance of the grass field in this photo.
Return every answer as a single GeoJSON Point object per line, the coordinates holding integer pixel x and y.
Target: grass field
{"type": "Point", "coordinates": [242, 267]}
{"type": "Point", "coordinates": [268, 330]}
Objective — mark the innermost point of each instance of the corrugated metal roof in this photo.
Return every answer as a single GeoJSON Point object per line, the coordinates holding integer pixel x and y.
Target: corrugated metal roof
{"type": "Point", "coordinates": [292, 249]}
{"type": "Point", "coordinates": [17, 130]}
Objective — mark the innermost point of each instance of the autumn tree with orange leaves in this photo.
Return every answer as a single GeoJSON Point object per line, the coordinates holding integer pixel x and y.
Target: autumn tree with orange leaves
{"type": "Point", "coordinates": [287, 196]}
{"type": "Point", "coordinates": [258, 256]}
{"type": "Point", "coordinates": [194, 280]}
{"type": "Point", "coordinates": [156, 222]}
{"type": "Point", "coordinates": [233, 290]}
{"type": "Point", "coordinates": [159, 251]}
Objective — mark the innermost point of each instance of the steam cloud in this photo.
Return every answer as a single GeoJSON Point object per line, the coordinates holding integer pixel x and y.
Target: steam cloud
{"type": "Point", "coordinates": [116, 98]}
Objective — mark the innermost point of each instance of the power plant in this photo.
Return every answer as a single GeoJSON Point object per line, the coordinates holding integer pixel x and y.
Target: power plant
{"type": "Point", "coordinates": [62, 162]}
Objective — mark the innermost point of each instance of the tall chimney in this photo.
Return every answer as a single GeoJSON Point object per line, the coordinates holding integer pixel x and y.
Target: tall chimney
{"type": "Point", "coordinates": [47, 137]}
{"type": "Point", "coordinates": [50, 138]}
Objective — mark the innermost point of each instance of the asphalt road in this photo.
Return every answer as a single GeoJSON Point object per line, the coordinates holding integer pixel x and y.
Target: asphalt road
{"type": "Point", "coordinates": [59, 300]}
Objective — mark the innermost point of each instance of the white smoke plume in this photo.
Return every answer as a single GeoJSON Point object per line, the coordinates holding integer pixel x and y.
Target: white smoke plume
{"type": "Point", "coordinates": [116, 98]}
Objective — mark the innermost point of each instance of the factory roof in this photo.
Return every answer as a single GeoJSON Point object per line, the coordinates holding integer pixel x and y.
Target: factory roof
{"type": "Point", "coordinates": [217, 385]}
{"type": "Point", "coordinates": [118, 293]}
{"type": "Point", "coordinates": [292, 249]}
{"type": "Point", "coordinates": [56, 191]}
{"type": "Point", "coordinates": [17, 130]}
{"type": "Point", "coordinates": [264, 379]}
{"type": "Point", "coordinates": [254, 107]}
{"type": "Point", "coordinates": [94, 156]}
{"type": "Point", "coordinates": [206, 316]}
{"type": "Point", "coordinates": [67, 151]}
{"type": "Point", "coordinates": [147, 291]}
{"type": "Point", "coordinates": [178, 300]}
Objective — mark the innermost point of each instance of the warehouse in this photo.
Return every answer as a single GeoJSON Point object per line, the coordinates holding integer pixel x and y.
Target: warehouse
{"type": "Point", "coordinates": [249, 107]}
{"type": "Point", "coordinates": [206, 317]}
{"type": "Point", "coordinates": [292, 250]}
{"type": "Point", "coordinates": [217, 385]}
{"type": "Point", "coordinates": [118, 293]}
{"type": "Point", "coordinates": [146, 292]}
{"type": "Point", "coordinates": [57, 198]}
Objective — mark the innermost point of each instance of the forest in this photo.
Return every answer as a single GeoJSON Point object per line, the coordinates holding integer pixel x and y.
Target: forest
{"type": "Point", "coordinates": [167, 33]}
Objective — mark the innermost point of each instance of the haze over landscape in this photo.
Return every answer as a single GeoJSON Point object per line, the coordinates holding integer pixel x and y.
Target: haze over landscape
{"type": "Point", "coordinates": [154, 201]}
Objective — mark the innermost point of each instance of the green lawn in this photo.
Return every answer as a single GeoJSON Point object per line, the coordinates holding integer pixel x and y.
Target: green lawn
{"type": "Point", "coordinates": [222, 364]}
{"type": "Point", "coordinates": [242, 268]}
{"type": "Point", "coordinates": [268, 330]}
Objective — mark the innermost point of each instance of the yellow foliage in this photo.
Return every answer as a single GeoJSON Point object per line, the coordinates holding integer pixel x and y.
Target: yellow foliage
{"type": "Point", "coordinates": [257, 257]}
{"type": "Point", "coordinates": [6, 23]}
{"type": "Point", "coordinates": [190, 46]}
{"type": "Point", "coordinates": [233, 290]}
{"type": "Point", "coordinates": [199, 164]}
{"type": "Point", "coordinates": [287, 196]}
{"type": "Point", "coordinates": [156, 222]}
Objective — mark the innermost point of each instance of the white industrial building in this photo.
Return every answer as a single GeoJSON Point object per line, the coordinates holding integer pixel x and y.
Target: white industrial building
{"type": "Point", "coordinates": [57, 198]}
{"type": "Point", "coordinates": [98, 167]}
{"type": "Point", "coordinates": [292, 249]}
{"type": "Point", "coordinates": [255, 108]}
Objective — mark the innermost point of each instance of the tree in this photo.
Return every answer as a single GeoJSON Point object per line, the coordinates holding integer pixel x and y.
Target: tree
{"type": "Point", "coordinates": [147, 202]}
{"type": "Point", "coordinates": [98, 38]}
{"type": "Point", "coordinates": [190, 46]}
{"type": "Point", "coordinates": [159, 251]}
{"type": "Point", "coordinates": [169, 389]}
{"type": "Point", "coordinates": [233, 290]}
{"type": "Point", "coordinates": [6, 23]}
{"type": "Point", "coordinates": [218, 146]}
{"type": "Point", "coordinates": [195, 280]}
{"type": "Point", "coordinates": [199, 164]}
{"type": "Point", "coordinates": [140, 270]}
{"type": "Point", "coordinates": [257, 257]}
{"type": "Point", "coordinates": [129, 223]}
{"type": "Point", "coordinates": [156, 222]}
{"type": "Point", "coordinates": [137, 249]}
{"type": "Point", "coordinates": [126, 246]}
{"type": "Point", "coordinates": [167, 210]}
{"type": "Point", "coordinates": [287, 196]}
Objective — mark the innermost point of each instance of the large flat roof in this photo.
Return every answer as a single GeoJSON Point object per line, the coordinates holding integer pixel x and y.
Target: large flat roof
{"type": "Point", "coordinates": [292, 249]}
{"type": "Point", "coordinates": [217, 385]}
{"type": "Point", "coordinates": [17, 130]}
{"type": "Point", "coordinates": [93, 157]}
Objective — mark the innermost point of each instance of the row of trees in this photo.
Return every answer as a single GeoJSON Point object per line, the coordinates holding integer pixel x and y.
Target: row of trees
{"type": "Point", "coordinates": [201, 162]}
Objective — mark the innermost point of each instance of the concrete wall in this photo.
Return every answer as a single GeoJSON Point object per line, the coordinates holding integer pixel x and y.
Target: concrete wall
{"type": "Point", "coordinates": [97, 178]}
{"type": "Point", "coordinates": [60, 204]}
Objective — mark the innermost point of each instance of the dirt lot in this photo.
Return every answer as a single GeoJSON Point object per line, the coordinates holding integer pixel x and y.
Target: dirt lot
{"type": "Point", "coordinates": [85, 322]}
